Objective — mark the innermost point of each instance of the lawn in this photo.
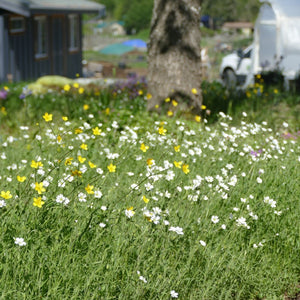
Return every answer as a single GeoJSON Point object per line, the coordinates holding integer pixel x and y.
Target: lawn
{"type": "Point", "coordinates": [100, 199]}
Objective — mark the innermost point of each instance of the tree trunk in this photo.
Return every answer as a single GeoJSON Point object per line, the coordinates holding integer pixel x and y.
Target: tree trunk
{"type": "Point", "coordinates": [174, 54]}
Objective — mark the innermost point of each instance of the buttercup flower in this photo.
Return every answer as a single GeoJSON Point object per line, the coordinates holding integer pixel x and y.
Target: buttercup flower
{"type": "Point", "coordinates": [47, 117]}
{"type": "Point", "coordinates": [38, 202]}
{"type": "Point", "coordinates": [111, 168]}
{"type": "Point", "coordinates": [6, 195]}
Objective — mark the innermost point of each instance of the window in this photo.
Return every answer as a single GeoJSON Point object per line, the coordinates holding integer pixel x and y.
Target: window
{"type": "Point", "coordinates": [16, 25]}
{"type": "Point", "coordinates": [40, 37]}
{"type": "Point", "coordinates": [73, 33]}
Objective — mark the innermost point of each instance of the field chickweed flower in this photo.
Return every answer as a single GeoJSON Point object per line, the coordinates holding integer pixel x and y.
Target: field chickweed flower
{"type": "Point", "coordinates": [174, 294]}
{"type": "Point", "coordinates": [20, 242]}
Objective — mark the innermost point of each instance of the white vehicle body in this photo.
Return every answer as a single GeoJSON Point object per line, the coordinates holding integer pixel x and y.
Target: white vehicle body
{"type": "Point", "coordinates": [276, 45]}
{"type": "Point", "coordinates": [235, 67]}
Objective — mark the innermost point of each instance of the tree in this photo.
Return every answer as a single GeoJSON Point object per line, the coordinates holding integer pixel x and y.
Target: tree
{"type": "Point", "coordinates": [174, 54]}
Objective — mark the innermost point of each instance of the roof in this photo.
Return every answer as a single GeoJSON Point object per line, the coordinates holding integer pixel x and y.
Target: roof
{"type": "Point", "coordinates": [237, 25]}
{"type": "Point", "coordinates": [28, 7]}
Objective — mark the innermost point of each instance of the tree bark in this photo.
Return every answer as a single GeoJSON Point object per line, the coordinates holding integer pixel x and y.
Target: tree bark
{"type": "Point", "coordinates": [174, 54]}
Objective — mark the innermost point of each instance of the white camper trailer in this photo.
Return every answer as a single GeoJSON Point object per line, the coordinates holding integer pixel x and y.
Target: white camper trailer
{"type": "Point", "coordinates": [276, 43]}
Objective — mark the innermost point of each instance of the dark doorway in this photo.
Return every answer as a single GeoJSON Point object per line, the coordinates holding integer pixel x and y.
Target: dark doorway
{"type": "Point", "coordinates": [58, 39]}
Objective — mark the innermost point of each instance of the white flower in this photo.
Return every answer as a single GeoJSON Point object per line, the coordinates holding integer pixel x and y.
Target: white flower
{"type": "Point", "coordinates": [129, 213]}
{"type": "Point", "coordinates": [20, 241]}
{"type": "Point", "coordinates": [97, 194]}
{"type": "Point", "coordinates": [223, 226]}
{"type": "Point", "coordinates": [99, 171]}
{"type": "Point", "coordinates": [202, 243]}
{"type": "Point", "coordinates": [102, 225]}
{"type": "Point", "coordinates": [177, 229]}
{"type": "Point", "coordinates": [259, 180]}
{"type": "Point", "coordinates": [143, 279]}
{"type": "Point", "coordinates": [104, 208]}
{"type": "Point", "coordinates": [284, 124]}
{"type": "Point", "coordinates": [82, 197]}
{"type": "Point", "coordinates": [215, 219]}
{"type": "Point", "coordinates": [174, 294]}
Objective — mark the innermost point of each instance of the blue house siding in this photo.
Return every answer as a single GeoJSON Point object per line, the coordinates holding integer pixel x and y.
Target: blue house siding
{"type": "Point", "coordinates": [2, 48]}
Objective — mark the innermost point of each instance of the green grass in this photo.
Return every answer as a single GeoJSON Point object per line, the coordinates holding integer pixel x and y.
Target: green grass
{"type": "Point", "coordinates": [131, 60]}
{"type": "Point", "coordinates": [98, 248]}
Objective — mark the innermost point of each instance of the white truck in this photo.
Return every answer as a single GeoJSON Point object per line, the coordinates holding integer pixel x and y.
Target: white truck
{"type": "Point", "coordinates": [276, 46]}
{"type": "Point", "coordinates": [235, 67]}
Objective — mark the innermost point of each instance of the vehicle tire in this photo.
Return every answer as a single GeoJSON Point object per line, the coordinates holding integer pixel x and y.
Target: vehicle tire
{"type": "Point", "coordinates": [229, 79]}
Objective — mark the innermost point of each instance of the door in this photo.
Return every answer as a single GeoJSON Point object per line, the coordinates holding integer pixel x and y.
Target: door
{"type": "Point", "coordinates": [59, 57]}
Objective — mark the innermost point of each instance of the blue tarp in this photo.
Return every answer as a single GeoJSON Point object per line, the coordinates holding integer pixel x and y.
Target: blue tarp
{"type": "Point", "coordinates": [116, 49]}
{"type": "Point", "coordinates": [135, 43]}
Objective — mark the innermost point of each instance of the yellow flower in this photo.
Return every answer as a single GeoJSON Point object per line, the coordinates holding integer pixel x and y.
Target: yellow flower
{"type": "Point", "coordinates": [156, 106]}
{"type": "Point", "coordinates": [36, 164]}
{"type": "Point", "coordinates": [68, 161]}
{"type": "Point", "coordinates": [111, 168]}
{"type": "Point", "coordinates": [67, 87]}
{"type": "Point", "coordinates": [89, 189]}
{"type": "Point", "coordinates": [167, 100]}
{"type": "Point", "coordinates": [59, 138]}
{"type": "Point", "coordinates": [77, 75]}
{"type": "Point", "coordinates": [76, 85]}
{"type": "Point", "coordinates": [185, 168]}
{"type": "Point", "coordinates": [203, 107]}
{"type": "Point", "coordinates": [194, 91]}
{"type": "Point", "coordinates": [198, 119]}
{"type": "Point", "coordinates": [21, 178]}
{"type": "Point", "coordinates": [148, 96]}
{"type": "Point", "coordinates": [258, 76]}
{"type": "Point", "coordinates": [150, 162]}
{"type": "Point", "coordinates": [275, 91]}
{"type": "Point", "coordinates": [84, 146]}
{"type": "Point", "coordinates": [174, 103]}
{"type": "Point", "coordinates": [39, 187]}
{"type": "Point", "coordinates": [170, 113]}
{"type": "Point", "coordinates": [38, 202]}
{"type": "Point", "coordinates": [6, 88]}
{"type": "Point", "coordinates": [177, 148]}
{"type": "Point", "coordinates": [47, 117]}
{"type": "Point", "coordinates": [92, 166]}
{"type": "Point", "coordinates": [162, 130]}
{"type": "Point", "coordinates": [144, 148]}
{"type": "Point", "coordinates": [86, 107]}
{"type": "Point", "coordinates": [140, 92]}
{"type": "Point", "coordinates": [76, 173]}
{"type": "Point", "coordinates": [78, 130]}
{"type": "Point", "coordinates": [81, 159]}
{"type": "Point", "coordinates": [248, 94]}
{"type": "Point", "coordinates": [96, 131]}
{"type": "Point", "coordinates": [178, 164]}
{"type": "Point", "coordinates": [6, 195]}
{"type": "Point", "coordinates": [81, 90]}
{"type": "Point", "coordinates": [107, 111]}
{"type": "Point", "coordinates": [3, 110]}
{"type": "Point", "coordinates": [146, 200]}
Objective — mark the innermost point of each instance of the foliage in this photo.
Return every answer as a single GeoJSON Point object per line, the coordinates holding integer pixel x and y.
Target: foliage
{"type": "Point", "coordinates": [231, 10]}
{"type": "Point", "coordinates": [135, 13]}
{"type": "Point", "coordinates": [111, 202]}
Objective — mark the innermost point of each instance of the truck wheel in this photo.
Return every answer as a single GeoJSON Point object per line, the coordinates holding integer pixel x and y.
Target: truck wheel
{"type": "Point", "coordinates": [230, 79]}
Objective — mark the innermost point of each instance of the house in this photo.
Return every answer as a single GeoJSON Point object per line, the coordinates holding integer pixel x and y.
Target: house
{"type": "Point", "coordinates": [245, 28]}
{"type": "Point", "coordinates": [42, 37]}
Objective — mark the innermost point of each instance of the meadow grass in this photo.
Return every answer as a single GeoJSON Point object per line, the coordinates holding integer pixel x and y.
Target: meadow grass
{"type": "Point", "coordinates": [101, 200]}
